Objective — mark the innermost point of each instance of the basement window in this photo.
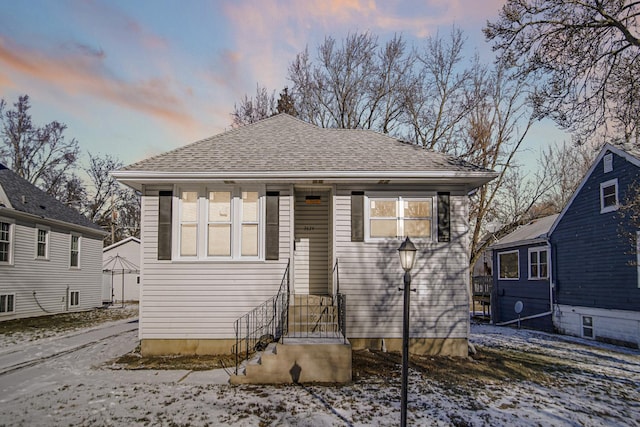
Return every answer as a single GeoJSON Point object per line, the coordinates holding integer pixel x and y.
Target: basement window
{"type": "Point", "coordinates": [7, 303]}
{"type": "Point", "coordinates": [587, 326]}
{"type": "Point", "coordinates": [74, 298]}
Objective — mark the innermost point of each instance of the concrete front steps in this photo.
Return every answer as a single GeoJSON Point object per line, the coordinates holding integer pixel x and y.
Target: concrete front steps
{"type": "Point", "coordinates": [313, 351]}
{"type": "Point", "coordinates": [299, 360]}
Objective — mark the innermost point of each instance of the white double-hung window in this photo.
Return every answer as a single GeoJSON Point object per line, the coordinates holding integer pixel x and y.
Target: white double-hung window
{"type": "Point", "coordinates": [219, 223]}
{"type": "Point", "coordinates": [538, 264]}
{"type": "Point", "coordinates": [6, 242]}
{"type": "Point", "coordinates": [398, 217]}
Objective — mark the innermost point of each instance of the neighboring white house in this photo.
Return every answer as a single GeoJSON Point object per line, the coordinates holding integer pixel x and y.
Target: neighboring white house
{"type": "Point", "coordinates": [226, 219]}
{"type": "Point", "coordinates": [121, 270]}
{"type": "Point", "coordinates": [50, 255]}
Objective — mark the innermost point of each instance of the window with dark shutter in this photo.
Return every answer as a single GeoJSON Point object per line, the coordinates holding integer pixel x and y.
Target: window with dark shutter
{"type": "Point", "coordinates": [272, 228]}
{"type": "Point", "coordinates": [444, 218]}
{"type": "Point", "coordinates": [357, 216]}
{"type": "Point", "coordinates": [164, 225]}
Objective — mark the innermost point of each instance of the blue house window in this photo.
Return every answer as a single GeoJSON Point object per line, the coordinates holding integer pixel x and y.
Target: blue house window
{"type": "Point", "coordinates": [538, 263]}
{"type": "Point", "coordinates": [609, 196]}
{"type": "Point", "coordinates": [508, 265]}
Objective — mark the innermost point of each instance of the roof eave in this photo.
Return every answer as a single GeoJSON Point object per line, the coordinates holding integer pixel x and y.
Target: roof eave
{"type": "Point", "coordinates": [518, 243]}
{"type": "Point", "coordinates": [471, 179]}
{"type": "Point", "coordinates": [46, 220]}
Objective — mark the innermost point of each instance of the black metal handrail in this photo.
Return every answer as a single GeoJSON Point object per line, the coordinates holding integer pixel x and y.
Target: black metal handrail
{"type": "Point", "coordinates": [264, 324]}
{"type": "Point", "coordinates": [336, 273]}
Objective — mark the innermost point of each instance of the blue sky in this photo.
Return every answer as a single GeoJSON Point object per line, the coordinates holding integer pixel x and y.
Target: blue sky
{"type": "Point", "coordinates": [137, 78]}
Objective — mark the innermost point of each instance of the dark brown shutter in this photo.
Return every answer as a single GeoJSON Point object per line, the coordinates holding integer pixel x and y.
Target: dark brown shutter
{"type": "Point", "coordinates": [357, 216]}
{"type": "Point", "coordinates": [164, 225]}
{"type": "Point", "coordinates": [444, 218]}
{"type": "Point", "coordinates": [272, 229]}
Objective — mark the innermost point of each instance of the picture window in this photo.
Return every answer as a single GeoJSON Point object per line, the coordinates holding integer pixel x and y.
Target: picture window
{"type": "Point", "coordinates": [509, 265]}
{"type": "Point", "coordinates": [399, 217]}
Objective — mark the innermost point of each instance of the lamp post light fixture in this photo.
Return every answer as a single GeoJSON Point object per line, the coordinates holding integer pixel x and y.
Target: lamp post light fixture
{"type": "Point", "coordinates": [407, 252]}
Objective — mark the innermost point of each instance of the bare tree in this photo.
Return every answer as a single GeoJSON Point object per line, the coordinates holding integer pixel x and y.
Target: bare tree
{"type": "Point", "coordinates": [495, 128]}
{"type": "Point", "coordinates": [112, 206]}
{"type": "Point", "coordinates": [566, 165]}
{"type": "Point", "coordinates": [584, 57]}
{"type": "Point", "coordinates": [252, 109]}
{"type": "Point", "coordinates": [441, 94]}
{"type": "Point", "coordinates": [354, 85]}
{"type": "Point", "coordinates": [68, 188]}
{"type": "Point", "coordinates": [39, 154]}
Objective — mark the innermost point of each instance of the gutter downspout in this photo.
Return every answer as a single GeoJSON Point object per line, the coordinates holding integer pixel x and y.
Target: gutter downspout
{"type": "Point", "coordinates": [546, 313]}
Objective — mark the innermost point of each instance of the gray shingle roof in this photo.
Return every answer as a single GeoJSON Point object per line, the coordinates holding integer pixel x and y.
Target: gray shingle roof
{"type": "Point", "coordinates": [26, 197]}
{"type": "Point", "coordinates": [284, 143]}
{"type": "Point", "coordinates": [536, 229]}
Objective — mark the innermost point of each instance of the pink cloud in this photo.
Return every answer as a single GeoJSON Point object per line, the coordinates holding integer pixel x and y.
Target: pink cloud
{"type": "Point", "coordinates": [5, 82]}
{"type": "Point", "coordinates": [77, 73]}
{"type": "Point", "coordinates": [113, 22]}
{"type": "Point", "coordinates": [270, 35]}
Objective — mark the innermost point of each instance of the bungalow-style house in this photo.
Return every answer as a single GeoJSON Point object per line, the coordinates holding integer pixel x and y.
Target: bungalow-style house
{"type": "Point", "coordinates": [50, 255]}
{"type": "Point", "coordinates": [595, 255]}
{"type": "Point", "coordinates": [522, 290]}
{"type": "Point", "coordinates": [121, 270]}
{"type": "Point", "coordinates": [284, 208]}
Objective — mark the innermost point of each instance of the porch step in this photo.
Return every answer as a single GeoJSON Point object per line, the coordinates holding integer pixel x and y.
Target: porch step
{"type": "Point", "coordinates": [299, 361]}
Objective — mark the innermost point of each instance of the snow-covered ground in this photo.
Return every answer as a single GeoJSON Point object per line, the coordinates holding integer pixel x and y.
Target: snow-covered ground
{"type": "Point", "coordinates": [595, 385]}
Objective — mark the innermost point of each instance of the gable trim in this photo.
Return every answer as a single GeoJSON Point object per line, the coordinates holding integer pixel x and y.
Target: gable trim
{"type": "Point", "coordinates": [121, 242]}
{"type": "Point", "coordinates": [605, 149]}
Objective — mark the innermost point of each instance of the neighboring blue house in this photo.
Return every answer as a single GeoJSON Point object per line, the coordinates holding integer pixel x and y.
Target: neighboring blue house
{"type": "Point", "coordinates": [521, 281]}
{"type": "Point", "coordinates": [595, 269]}
{"type": "Point", "coordinates": [577, 272]}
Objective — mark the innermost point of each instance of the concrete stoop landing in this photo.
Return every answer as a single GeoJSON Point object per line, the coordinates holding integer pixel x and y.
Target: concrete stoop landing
{"type": "Point", "coordinates": [299, 360]}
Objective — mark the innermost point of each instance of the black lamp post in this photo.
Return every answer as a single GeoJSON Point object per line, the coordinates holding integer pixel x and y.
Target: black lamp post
{"type": "Point", "coordinates": [407, 253]}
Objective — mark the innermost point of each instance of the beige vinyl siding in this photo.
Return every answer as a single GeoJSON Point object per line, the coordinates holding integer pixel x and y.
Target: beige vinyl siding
{"type": "Point", "coordinates": [370, 275]}
{"type": "Point", "coordinates": [312, 244]}
{"type": "Point", "coordinates": [52, 278]}
{"type": "Point", "coordinates": [202, 299]}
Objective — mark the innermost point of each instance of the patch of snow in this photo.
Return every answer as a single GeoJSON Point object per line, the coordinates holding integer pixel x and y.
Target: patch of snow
{"type": "Point", "coordinates": [78, 388]}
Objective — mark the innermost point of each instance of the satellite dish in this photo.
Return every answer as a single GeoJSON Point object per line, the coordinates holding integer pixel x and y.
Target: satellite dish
{"type": "Point", "coordinates": [518, 307]}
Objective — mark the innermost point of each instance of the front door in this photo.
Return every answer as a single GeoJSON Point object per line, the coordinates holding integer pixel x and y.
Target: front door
{"type": "Point", "coordinates": [312, 242]}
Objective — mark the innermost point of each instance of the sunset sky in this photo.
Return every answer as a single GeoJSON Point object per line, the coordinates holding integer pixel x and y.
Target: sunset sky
{"type": "Point", "coordinates": [136, 78]}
